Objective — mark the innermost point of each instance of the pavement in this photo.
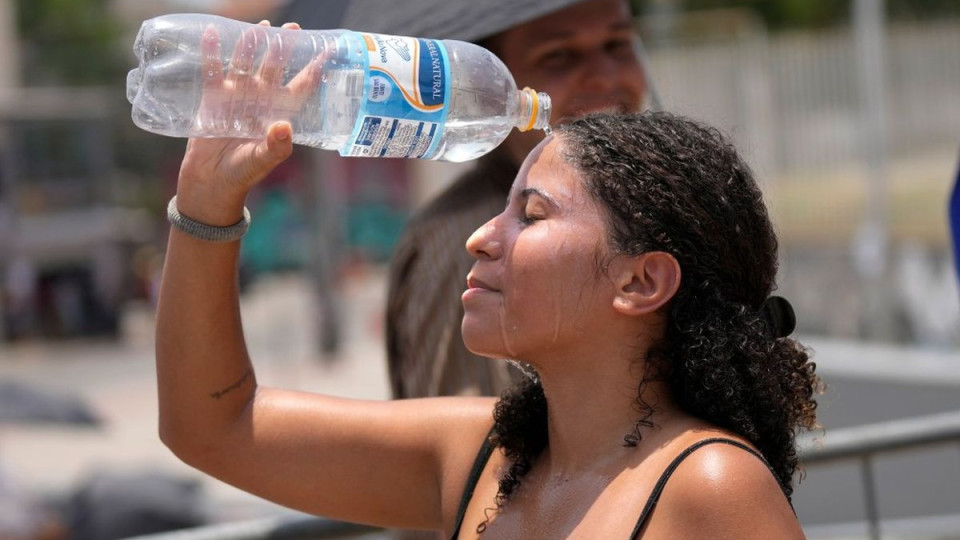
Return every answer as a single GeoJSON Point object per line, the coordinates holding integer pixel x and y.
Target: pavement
{"type": "Point", "coordinates": [117, 380]}
{"type": "Point", "coordinates": [866, 383]}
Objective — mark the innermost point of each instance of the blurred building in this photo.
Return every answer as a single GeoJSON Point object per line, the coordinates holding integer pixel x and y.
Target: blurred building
{"type": "Point", "coordinates": [852, 131]}
{"type": "Point", "coordinates": [856, 173]}
{"type": "Point", "coordinates": [64, 247]}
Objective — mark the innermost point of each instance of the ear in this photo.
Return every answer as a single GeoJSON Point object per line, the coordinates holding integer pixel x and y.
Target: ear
{"type": "Point", "coordinates": [646, 282]}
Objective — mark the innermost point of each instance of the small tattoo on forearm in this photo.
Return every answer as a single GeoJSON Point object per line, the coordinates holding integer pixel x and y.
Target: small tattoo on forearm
{"type": "Point", "coordinates": [234, 386]}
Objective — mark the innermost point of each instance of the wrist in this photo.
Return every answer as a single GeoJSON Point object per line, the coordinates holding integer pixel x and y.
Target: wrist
{"type": "Point", "coordinates": [209, 206]}
{"type": "Point", "coordinates": [206, 231]}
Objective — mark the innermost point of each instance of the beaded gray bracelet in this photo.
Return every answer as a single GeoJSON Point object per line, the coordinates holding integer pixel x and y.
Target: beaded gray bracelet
{"type": "Point", "coordinates": [202, 231]}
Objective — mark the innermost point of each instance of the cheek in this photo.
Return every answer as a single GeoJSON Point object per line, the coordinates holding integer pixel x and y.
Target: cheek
{"type": "Point", "coordinates": [634, 81]}
{"type": "Point", "coordinates": [549, 289]}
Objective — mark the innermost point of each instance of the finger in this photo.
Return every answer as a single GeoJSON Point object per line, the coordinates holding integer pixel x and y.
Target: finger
{"type": "Point", "coordinates": [210, 58]}
{"type": "Point", "coordinates": [245, 54]}
{"type": "Point", "coordinates": [242, 103]}
{"type": "Point", "coordinates": [291, 26]}
{"type": "Point", "coordinates": [278, 54]}
{"type": "Point", "coordinates": [211, 77]}
{"type": "Point", "coordinates": [309, 78]}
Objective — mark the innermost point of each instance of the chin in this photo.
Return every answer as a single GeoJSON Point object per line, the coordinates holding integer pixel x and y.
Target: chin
{"type": "Point", "coordinates": [479, 343]}
{"type": "Point", "coordinates": [479, 347]}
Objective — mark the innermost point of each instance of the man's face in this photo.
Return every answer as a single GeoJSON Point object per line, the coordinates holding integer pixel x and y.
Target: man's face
{"type": "Point", "coordinates": [583, 56]}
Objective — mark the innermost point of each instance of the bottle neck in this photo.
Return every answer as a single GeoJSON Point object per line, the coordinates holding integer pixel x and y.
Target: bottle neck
{"type": "Point", "coordinates": [534, 110]}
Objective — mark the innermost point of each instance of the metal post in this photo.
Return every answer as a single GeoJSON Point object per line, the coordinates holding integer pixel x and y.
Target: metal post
{"type": "Point", "coordinates": [9, 79]}
{"type": "Point", "coordinates": [871, 245]}
{"type": "Point", "coordinates": [870, 497]}
{"type": "Point", "coordinates": [326, 244]}
{"type": "Point", "coordinates": [9, 45]}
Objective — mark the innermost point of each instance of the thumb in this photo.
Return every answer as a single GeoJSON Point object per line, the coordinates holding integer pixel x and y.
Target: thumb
{"type": "Point", "coordinates": [278, 145]}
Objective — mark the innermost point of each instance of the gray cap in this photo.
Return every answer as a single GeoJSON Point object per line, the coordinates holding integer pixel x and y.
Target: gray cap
{"type": "Point", "coordinates": [466, 20]}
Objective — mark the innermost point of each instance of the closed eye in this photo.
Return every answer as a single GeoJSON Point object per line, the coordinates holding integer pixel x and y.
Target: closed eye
{"type": "Point", "coordinates": [532, 211]}
{"type": "Point", "coordinates": [528, 219]}
{"type": "Point", "coordinates": [533, 205]}
{"type": "Point", "coordinates": [557, 59]}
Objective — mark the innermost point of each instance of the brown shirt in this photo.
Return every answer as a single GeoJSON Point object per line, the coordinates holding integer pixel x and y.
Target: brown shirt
{"type": "Point", "coordinates": [425, 352]}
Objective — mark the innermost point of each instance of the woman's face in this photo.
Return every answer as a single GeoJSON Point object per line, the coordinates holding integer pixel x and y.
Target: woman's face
{"type": "Point", "coordinates": [537, 286]}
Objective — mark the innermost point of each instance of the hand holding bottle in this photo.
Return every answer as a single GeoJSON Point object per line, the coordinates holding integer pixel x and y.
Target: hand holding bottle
{"type": "Point", "coordinates": [217, 173]}
{"type": "Point", "coordinates": [249, 93]}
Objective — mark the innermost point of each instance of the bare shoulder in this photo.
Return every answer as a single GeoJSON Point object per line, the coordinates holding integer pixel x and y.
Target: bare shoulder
{"type": "Point", "coordinates": [721, 490]}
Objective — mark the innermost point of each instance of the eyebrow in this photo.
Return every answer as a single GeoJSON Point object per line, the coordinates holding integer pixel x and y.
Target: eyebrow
{"type": "Point", "coordinates": [564, 34]}
{"type": "Point", "coordinates": [526, 192]}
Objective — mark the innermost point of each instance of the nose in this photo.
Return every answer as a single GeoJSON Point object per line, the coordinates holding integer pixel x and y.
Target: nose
{"type": "Point", "coordinates": [483, 243]}
{"type": "Point", "coordinates": [601, 72]}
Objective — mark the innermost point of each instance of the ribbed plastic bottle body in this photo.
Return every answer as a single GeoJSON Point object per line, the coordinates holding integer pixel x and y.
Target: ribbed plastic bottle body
{"type": "Point", "coordinates": [360, 94]}
{"type": "Point", "coordinates": [169, 95]}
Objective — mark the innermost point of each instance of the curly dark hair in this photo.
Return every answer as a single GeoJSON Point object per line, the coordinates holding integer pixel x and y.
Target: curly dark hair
{"type": "Point", "coordinates": [671, 184]}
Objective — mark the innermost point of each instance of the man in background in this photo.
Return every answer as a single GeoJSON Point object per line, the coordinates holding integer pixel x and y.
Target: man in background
{"type": "Point", "coordinates": [584, 54]}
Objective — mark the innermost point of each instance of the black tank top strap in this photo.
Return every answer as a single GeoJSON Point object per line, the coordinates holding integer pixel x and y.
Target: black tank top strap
{"type": "Point", "coordinates": [658, 489]}
{"type": "Point", "coordinates": [478, 465]}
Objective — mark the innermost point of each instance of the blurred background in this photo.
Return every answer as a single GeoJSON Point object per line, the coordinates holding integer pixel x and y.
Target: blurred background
{"type": "Point", "coordinates": [848, 110]}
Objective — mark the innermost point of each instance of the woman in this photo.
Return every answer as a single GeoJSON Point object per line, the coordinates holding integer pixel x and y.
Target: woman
{"type": "Point", "coordinates": [631, 270]}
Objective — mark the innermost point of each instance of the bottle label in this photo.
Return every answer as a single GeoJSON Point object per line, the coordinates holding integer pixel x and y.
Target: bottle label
{"type": "Point", "coordinates": [407, 88]}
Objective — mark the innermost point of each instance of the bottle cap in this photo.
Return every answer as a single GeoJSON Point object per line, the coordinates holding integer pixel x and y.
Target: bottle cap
{"type": "Point", "coordinates": [536, 108]}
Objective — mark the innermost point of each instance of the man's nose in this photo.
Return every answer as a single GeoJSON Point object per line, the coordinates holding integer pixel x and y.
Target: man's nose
{"type": "Point", "coordinates": [600, 71]}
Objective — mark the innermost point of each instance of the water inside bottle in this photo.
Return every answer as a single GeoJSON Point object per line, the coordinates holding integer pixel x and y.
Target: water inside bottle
{"type": "Point", "coordinates": [330, 124]}
{"type": "Point", "coordinates": [464, 140]}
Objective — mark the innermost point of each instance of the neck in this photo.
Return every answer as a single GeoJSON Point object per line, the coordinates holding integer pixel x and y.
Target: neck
{"type": "Point", "coordinates": [593, 406]}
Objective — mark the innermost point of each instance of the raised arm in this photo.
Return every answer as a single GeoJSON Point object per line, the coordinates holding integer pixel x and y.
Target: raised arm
{"type": "Point", "coordinates": [388, 463]}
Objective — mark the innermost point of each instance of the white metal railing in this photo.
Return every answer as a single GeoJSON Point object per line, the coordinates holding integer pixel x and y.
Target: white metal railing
{"type": "Point", "coordinates": [292, 527]}
{"type": "Point", "coordinates": [863, 443]}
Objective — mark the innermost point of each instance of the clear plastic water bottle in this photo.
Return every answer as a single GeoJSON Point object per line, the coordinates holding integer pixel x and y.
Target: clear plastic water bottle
{"type": "Point", "coordinates": [358, 93]}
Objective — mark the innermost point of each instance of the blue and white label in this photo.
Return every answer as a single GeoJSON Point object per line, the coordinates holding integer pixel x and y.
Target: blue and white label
{"type": "Point", "coordinates": [407, 91]}
{"type": "Point", "coordinates": [380, 89]}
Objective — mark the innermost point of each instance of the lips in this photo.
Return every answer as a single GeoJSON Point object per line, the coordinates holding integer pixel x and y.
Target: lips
{"type": "Point", "coordinates": [475, 283]}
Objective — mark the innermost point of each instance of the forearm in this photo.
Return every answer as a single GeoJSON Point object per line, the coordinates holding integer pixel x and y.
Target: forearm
{"type": "Point", "coordinates": [205, 378]}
